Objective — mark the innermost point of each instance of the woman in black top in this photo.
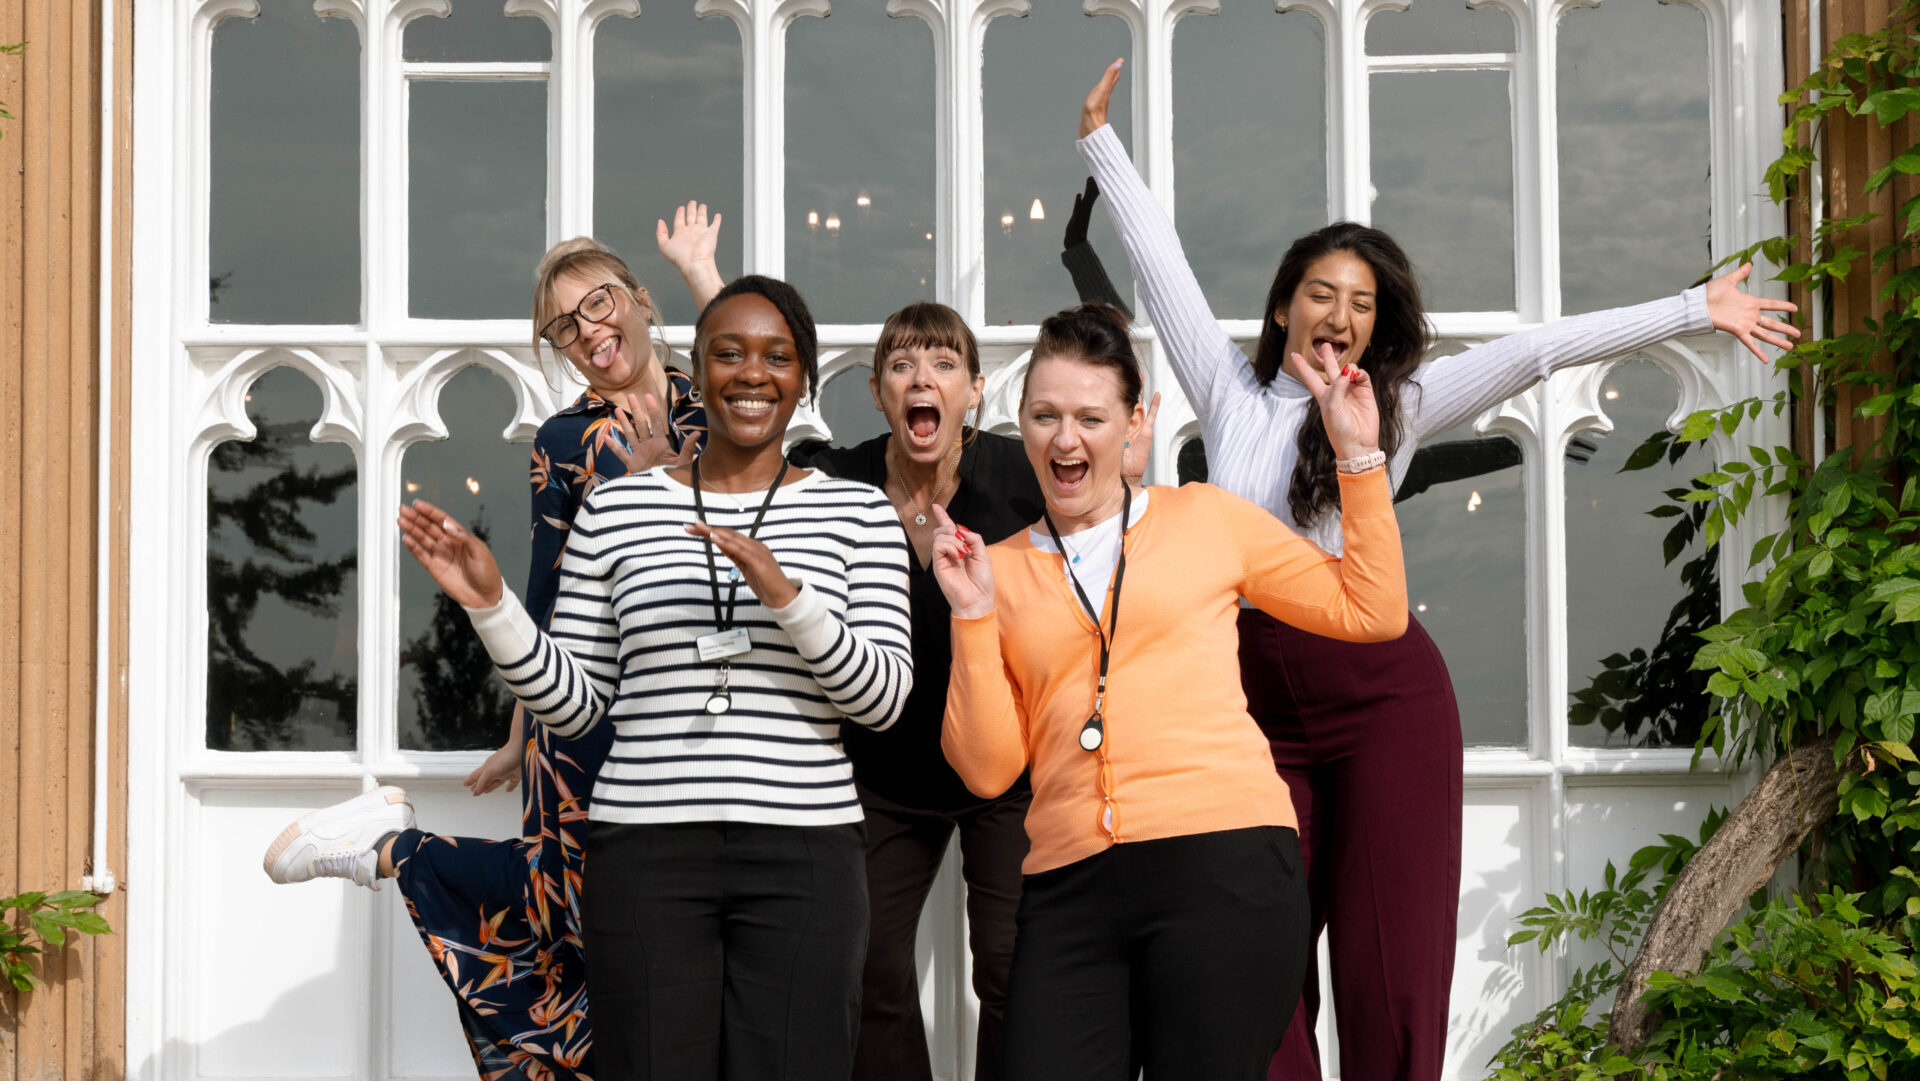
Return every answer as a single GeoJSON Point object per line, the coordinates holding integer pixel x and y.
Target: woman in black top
{"type": "Point", "coordinates": [926, 376]}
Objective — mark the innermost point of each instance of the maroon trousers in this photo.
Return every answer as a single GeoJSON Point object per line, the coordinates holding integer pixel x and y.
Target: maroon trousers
{"type": "Point", "coordinates": [1368, 740]}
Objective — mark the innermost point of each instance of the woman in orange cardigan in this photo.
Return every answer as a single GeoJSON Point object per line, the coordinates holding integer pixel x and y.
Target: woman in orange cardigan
{"type": "Point", "coordinates": [1163, 904]}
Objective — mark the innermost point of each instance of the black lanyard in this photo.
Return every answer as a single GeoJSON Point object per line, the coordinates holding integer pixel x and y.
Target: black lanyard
{"type": "Point", "coordinates": [1093, 733]}
{"type": "Point", "coordinates": [724, 620]}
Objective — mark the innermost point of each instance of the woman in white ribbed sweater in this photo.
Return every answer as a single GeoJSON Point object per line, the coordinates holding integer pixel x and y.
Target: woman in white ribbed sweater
{"type": "Point", "coordinates": [1367, 736]}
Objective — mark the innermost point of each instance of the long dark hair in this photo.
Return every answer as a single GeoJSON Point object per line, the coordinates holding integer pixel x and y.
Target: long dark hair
{"type": "Point", "coordinates": [1398, 344]}
{"type": "Point", "coordinates": [792, 308]}
{"type": "Point", "coordinates": [1093, 334]}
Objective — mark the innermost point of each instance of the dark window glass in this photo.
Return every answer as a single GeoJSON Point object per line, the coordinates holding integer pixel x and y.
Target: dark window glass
{"type": "Point", "coordinates": [1634, 148]}
{"type": "Point", "coordinates": [1640, 583]}
{"type": "Point", "coordinates": [477, 198]}
{"type": "Point", "coordinates": [847, 406]}
{"type": "Point", "coordinates": [860, 162]}
{"type": "Point", "coordinates": [1190, 462]}
{"type": "Point", "coordinates": [284, 235]}
{"type": "Point", "coordinates": [450, 697]}
{"type": "Point", "coordinates": [1439, 26]}
{"type": "Point", "coordinates": [282, 671]}
{"type": "Point", "coordinates": [1463, 522]}
{"type": "Point", "coordinates": [1443, 182]}
{"type": "Point", "coordinates": [477, 30]}
{"type": "Point", "coordinates": [1249, 148]}
{"type": "Point", "coordinates": [666, 129]}
{"type": "Point", "coordinates": [1037, 71]}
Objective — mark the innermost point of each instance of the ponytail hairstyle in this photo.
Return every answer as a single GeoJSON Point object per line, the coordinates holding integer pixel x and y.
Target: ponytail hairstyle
{"type": "Point", "coordinates": [1395, 351]}
{"type": "Point", "coordinates": [1094, 334]}
{"type": "Point", "coordinates": [792, 308]}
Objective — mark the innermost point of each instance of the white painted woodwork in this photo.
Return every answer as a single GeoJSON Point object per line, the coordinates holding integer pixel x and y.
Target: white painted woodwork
{"type": "Point", "coordinates": [231, 977]}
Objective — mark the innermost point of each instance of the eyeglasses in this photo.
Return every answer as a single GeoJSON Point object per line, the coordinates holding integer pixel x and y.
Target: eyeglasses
{"type": "Point", "coordinates": [564, 329]}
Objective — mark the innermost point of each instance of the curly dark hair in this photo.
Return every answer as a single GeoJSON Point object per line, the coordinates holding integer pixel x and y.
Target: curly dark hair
{"type": "Point", "coordinates": [792, 308]}
{"type": "Point", "coordinates": [1399, 343]}
{"type": "Point", "coordinates": [1095, 334]}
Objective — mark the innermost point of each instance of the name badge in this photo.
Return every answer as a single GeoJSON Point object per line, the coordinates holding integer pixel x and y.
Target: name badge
{"type": "Point", "coordinates": [720, 645]}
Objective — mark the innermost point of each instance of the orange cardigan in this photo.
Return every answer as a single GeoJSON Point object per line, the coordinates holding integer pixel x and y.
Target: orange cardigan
{"type": "Point", "coordinates": [1181, 755]}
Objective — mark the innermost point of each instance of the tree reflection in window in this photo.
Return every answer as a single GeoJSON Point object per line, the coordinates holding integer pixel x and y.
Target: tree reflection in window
{"type": "Point", "coordinates": [451, 699]}
{"type": "Point", "coordinates": [282, 671]}
{"type": "Point", "coordinates": [1641, 585]}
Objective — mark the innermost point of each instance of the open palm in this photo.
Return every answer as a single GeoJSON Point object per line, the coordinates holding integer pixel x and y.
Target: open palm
{"type": "Point", "coordinates": [459, 562]}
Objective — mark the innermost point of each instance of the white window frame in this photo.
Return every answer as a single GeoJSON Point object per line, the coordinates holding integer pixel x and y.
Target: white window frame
{"type": "Point", "coordinates": [380, 381]}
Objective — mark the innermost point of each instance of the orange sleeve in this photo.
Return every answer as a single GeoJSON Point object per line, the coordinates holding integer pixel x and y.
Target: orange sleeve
{"type": "Point", "coordinates": [1361, 598]}
{"type": "Point", "coordinates": [984, 733]}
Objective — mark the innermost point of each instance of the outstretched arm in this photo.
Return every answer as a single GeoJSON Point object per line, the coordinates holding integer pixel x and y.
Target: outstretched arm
{"type": "Point", "coordinates": [566, 688]}
{"type": "Point", "coordinates": [1453, 389]}
{"type": "Point", "coordinates": [1205, 360]}
{"type": "Point", "coordinates": [1090, 281]}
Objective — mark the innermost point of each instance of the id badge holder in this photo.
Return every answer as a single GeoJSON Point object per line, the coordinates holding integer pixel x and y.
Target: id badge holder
{"type": "Point", "coordinates": [721, 645]}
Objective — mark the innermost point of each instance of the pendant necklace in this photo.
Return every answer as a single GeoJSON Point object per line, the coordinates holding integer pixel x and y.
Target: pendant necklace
{"type": "Point", "coordinates": [727, 641]}
{"type": "Point", "coordinates": [920, 513]}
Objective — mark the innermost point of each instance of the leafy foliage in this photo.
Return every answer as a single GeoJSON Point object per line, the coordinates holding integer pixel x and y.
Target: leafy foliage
{"type": "Point", "coordinates": [1818, 982]}
{"type": "Point", "coordinates": [14, 49]}
{"type": "Point", "coordinates": [31, 922]}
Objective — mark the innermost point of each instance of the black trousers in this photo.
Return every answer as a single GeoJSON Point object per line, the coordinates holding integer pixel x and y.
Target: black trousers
{"type": "Point", "coordinates": [1188, 951]}
{"type": "Point", "coordinates": [724, 951]}
{"type": "Point", "coordinates": [904, 848]}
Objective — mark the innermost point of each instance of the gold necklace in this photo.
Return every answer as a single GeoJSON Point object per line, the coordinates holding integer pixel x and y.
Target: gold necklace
{"type": "Point", "coordinates": [920, 512]}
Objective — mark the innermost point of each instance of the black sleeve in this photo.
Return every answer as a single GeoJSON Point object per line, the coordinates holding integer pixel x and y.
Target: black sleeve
{"type": "Point", "coordinates": [1090, 277]}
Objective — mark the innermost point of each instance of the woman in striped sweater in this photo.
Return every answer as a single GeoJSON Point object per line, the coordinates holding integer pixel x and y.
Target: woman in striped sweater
{"type": "Point", "coordinates": [725, 617]}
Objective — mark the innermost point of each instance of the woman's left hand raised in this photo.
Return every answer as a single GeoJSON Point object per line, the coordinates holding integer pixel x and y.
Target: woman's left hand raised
{"type": "Point", "coordinates": [1744, 315]}
{"type": "Point", "coordinates": [460, 562]}
{"type": "Point", "coordinates": [1347, 408]}
{"type": "Point", "coordinates": [758, 568]}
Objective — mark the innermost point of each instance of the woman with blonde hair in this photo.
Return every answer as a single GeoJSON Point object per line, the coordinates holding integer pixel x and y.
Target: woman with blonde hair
{"type": "Point", "coordinates": [501, 919]}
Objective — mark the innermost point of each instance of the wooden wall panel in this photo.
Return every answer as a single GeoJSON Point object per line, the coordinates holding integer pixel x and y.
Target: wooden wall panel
{"type": "Point", "coordinates": [49, 439]}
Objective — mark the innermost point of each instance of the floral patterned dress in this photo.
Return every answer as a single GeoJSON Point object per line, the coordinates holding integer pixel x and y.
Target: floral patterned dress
{"type": "Point", "coordinates": [502, 918]}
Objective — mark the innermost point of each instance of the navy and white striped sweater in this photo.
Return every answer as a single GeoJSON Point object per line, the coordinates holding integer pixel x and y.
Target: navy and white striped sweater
{"type": "Point", "coordinates": [634, 595]}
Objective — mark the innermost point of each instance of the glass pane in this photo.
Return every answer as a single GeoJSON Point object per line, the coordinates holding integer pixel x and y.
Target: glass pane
{"type": "Point", "coordinates": [860, 160]}
{"type": "Point", "coordinates": [1249, 179]}
{"type": "Point", "coordinates": [1037, 72]}
{"type": "Point", "coordinates": [450, 697]}
{"type": "Point", "coordinates": [1439, 26]}
{"type": "Point", "coordinates": [1443, 182]}
{"type": "Point", "coordinates": [847, 406]}
{"type": "Point", "coordinates": [667, 109]}
{"type": "Point", "coordinates": [1640, 585]}
{"type": "Point", "coordinates": [284, 238]}
{"type": "Point", "coordinates": [478, 197]}
{"type": "Point", "coordinates": [1633, 152]}
{"type": "Point", "coordinates": [1190, 462]}
{"type": "Point", "coordinates": [1463, 522]}
{"type": "Point", "coordinates": [282, 672]}
{"type": "Point", "coordinates": [477, 30]}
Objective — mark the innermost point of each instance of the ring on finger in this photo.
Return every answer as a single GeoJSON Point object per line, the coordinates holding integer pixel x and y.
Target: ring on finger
{"type": "Point", "coordinates": [649, 428]}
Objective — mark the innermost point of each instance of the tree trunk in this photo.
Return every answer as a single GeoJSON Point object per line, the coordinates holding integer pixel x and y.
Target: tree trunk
{"type": "Point", "coordinates": [1797, 794]}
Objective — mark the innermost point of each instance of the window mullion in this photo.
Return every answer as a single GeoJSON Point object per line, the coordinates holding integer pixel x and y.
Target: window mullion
{"type": "Point", "coordinates": [1536, 181]}
{"type": "Point", "coordinates": [1349, 157]}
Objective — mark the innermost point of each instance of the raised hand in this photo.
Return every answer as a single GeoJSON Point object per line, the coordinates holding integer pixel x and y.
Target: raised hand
{"type": "Point", "coordinates": [1093, 113]}
{"type": "Point", "coordinates": [758, 568]}
{"type": "Point", "coordinates": [1346, 402]}
{"type": "Point", "coordinates": [1743, 315]}
{"type": "Point", "coordinates": [962, 567]}
{"type": "Point", "coordinates": [460, 562]}
{"type": "Point", "coordinates": [1082, 213]}
{"type": "Point", "coordinates": [654, 448]}
{"type": "Point", "coordinates": [693, 239]}
{"type": "Point", "coordinates": [1133, 460]}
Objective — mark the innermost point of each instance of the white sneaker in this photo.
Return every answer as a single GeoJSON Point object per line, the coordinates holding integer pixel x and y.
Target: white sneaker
{"type": "Point", "coordinates": [337, 841]}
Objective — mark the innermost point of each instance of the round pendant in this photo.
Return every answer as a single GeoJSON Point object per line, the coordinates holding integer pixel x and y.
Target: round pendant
{"type": "Point", "coordinates": [719, 703]}
{"type": "Point", "coordinates": [919, 519]}
{"type": "Point", "coordinates": [1091, 735]}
